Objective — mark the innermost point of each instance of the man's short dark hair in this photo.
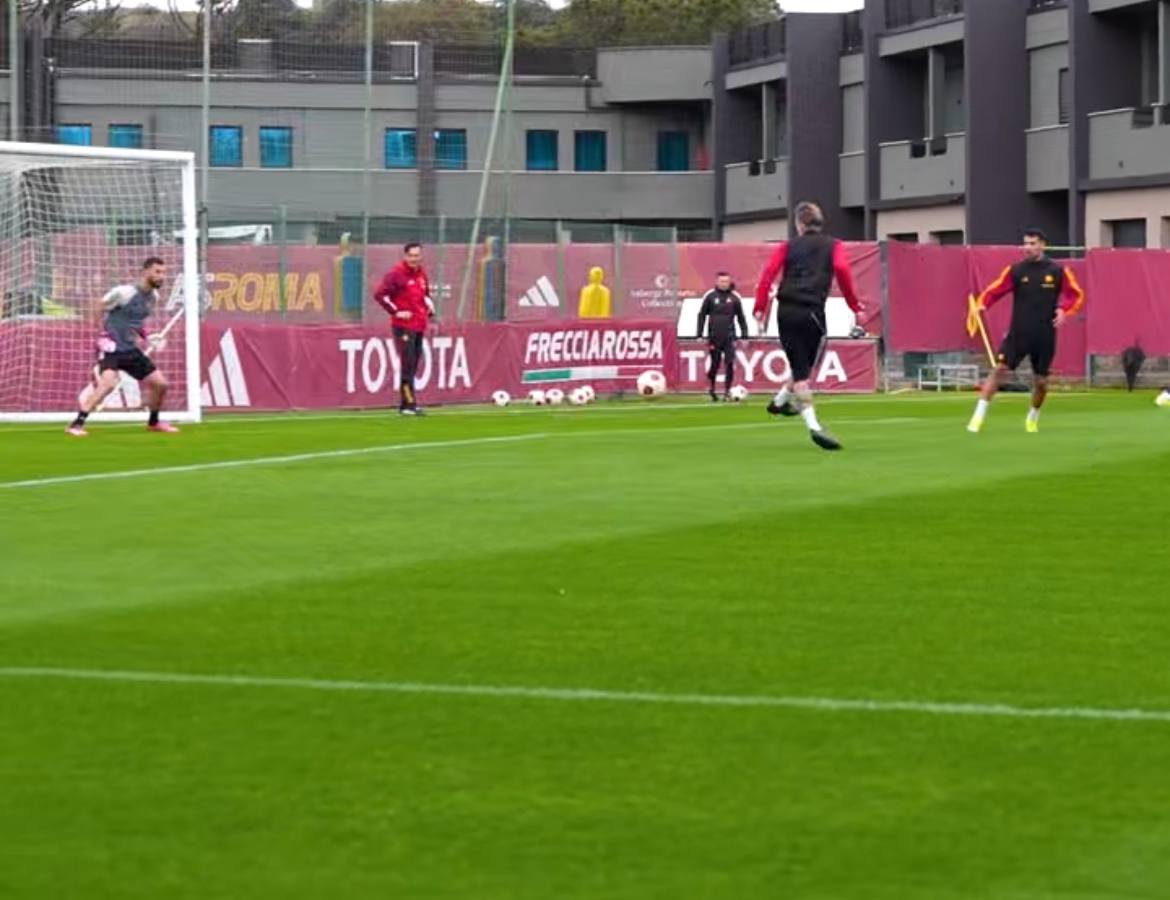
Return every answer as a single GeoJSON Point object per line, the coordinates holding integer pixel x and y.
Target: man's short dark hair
{"type": "Point", "coordinates": [1037, 233]}
{"type": "Point", "coordinates": [722, 274]}
{"type": "Point", "coordinates": [413, 245]}
{"type": "Point", "coordinates": [809, 216]}
{"type": "Point", "coordinates": [151, 261]}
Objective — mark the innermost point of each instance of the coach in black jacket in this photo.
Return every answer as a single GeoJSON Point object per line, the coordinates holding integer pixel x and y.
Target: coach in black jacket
{"type": "Point", "coordinates": [723, 307]}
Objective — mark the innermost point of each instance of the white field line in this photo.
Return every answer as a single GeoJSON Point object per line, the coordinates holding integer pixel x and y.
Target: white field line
{"type": "Point", "coordinates": [522, 409]}
{"type": "Point", "coordinates": [270, 460]}
{"type": "Point", "coordinates": [393, 448]}
{"type": "Point", "coordinates": [757, 701]}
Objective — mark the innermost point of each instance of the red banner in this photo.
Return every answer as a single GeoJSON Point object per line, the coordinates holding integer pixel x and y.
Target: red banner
{"type": "Point", "coordinates": [928, 289]}
{"type": "Point", "coordinates": [846, 367]}
{"type": "Point", "coordinates": [338, 366]}
{"type": "Point", "coordinates": [1128, 300]}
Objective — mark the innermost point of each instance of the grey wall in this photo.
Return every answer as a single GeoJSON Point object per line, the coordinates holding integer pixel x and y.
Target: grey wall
{"type": "Point", "coordinates": [645, 74]}
{"type": "Point", "coordinates": [816, 116]}
{"type": "Point", "coordinates": [1097, 44]}
{"type": "Point", "coordinates": [998, 202]}
{"type": "Point", "coordinates": [853, 118]}
{"type": "Point", "coordinates": [1044, 66]}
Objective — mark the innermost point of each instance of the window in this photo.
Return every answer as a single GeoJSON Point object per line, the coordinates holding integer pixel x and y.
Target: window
{"type": "Point", "coordinates": [79, 135]}
{"type": "Point", "coordinates": [1128, 233]}
{"type": "Point", "coordinates": [127, 136]}
{"type": "Point", "coordinates": [400, 148]}
{"type": "Point", "coordinates": [903, 237]}
{"type": "Point", "coordinates": [541, 147]}
{"type": "Point", "coordinates": [227, 145]}
{"type": "Point", "coordinates": [450, 148]}
{"type": "Point", "coordinates": [947, 237]}
{"type": "Point", "coordinates": [1063, 100]}
{"type": "Point", "coordinates": [674, 151]}
{"type": "Point", "coordinates": [276, 147]}
{"type": "Point", "coordinates": [589, 153]}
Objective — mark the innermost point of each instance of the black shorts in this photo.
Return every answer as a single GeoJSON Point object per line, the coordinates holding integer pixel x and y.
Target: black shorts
{"type": "Point", "coordinates": [802, 335]}
{"type": "Point", "coordinates": [1037, 344]}
{"type": "Point", "coordinates": [134, 363]}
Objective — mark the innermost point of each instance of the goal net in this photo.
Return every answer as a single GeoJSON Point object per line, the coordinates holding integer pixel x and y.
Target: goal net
{"type": "Point", "coordinates": [74, 223]}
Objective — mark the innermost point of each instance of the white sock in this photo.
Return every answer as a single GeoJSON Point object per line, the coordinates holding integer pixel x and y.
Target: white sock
{"type": "Point", "coordinates": [1033, 415]}
{"type": "Point", "coordinates": [810, 418]}
{"type": "Point", "coordinates": [781, 396]}
{"type": "Point", "coordinates": [980, 408]}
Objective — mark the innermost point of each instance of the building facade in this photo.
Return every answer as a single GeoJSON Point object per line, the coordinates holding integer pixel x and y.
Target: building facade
{"type": "Point", "coordinates": [929, 120]}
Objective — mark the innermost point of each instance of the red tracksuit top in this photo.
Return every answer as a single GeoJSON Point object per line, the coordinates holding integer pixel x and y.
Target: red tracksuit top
{"type": "Point", "coordinates": [405, 289]}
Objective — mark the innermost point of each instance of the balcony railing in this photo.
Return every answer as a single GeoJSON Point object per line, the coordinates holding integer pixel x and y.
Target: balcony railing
{"type": "Point", "coordinates": [757, 43]}
{"type": "Point", "coordinates": [901, 13]}
{"type": "Point", "coordinates": [852, 34]}
{"type": "Point", "coordinates": [1042, 5]}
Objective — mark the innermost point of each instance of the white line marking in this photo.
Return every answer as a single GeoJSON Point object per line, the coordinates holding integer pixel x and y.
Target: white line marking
{"type": "Point", "coordinates": [819, 704]}
{"type": "Point", "coordinates": [417, 445]}
{"type": "Point", "coordinates": [271, 460]}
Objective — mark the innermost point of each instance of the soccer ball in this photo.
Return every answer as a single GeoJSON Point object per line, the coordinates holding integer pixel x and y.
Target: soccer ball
{"type": "Point", "coordinates": [588, 392]}
{"type": "Point", "coordinates": [738, 393]}
{"type": "Point", "coordinates": [555, 397]}
{"type": "Point", "coordinates": [651, 384]}
{"type": "Point", "coordinates": [1163, 399]}
{"type": "Point", "coordinates": [501, 398]}
{"type": "Point", "coordinates": [578, 397]}
{"type": "Point", "coordinates": [537, 398]}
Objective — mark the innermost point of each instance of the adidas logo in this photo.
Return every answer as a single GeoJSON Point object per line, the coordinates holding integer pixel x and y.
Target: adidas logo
{"type": "Point", "coordinates": [541, 295]}
{"type": "Point", "coordinates": [225, 386]}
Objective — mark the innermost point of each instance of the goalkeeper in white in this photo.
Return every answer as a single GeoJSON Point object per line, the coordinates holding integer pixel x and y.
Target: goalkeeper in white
{"type": "Point", "coordinates": [125, 310]}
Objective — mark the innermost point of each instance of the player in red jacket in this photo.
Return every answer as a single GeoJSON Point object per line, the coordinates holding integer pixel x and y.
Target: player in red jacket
{"type": "Point", "coordinates": [805, 267]}
{"type": "Point", "coordinates": [405, 293]}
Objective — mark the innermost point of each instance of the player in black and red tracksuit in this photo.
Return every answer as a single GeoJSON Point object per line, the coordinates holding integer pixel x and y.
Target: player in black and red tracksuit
{"type": "Point", "coordinates": [806, 266]}
{"type": "Point", "coordinates": [404, 292]}
{"type": "Point", "coordinates": [1046, 295]}
{"type": "Point", "coordinates": [723, 307]}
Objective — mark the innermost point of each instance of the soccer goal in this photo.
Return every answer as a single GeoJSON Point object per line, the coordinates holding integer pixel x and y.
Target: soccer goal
{"type": "Point", "coordinates": [74, 223]}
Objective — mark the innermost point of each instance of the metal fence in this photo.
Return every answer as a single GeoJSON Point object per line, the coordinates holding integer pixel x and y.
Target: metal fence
{"type": "Point", "coordinates": [902, 13]}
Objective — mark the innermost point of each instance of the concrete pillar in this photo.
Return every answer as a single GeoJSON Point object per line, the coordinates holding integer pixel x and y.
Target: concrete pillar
{"type": "Point", "coordinates": [936, 97]}
{"type": "Point", "coordinates": [768, 118]}
{"type": "Point", "coordinates": [1163, 48]}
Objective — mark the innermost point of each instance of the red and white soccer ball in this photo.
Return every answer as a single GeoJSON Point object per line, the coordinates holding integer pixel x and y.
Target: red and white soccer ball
{"type": "Point", "coordinates": [537, 398]}
{"type": "Point", "coordinates": [577, 397]}
{"type": "Point", "coordinates": [651, 384]}
{"type": "Point", "coordinates": [590, 394]}
{"type": "Point", "coordinates": [501, 398]}
{"type": "Point", "coordinates": [738, 393]}
{"type": "Point", "coordinates": [555, 397]}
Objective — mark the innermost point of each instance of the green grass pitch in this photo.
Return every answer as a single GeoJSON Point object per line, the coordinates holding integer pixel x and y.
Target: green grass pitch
{"type": "Point", "coordinates": [720, 582]}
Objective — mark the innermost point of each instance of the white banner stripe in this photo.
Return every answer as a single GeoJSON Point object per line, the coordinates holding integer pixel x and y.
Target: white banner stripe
{"type": "Point", "coordinates": [773, 701]}
{"type": "Point", "coordinates": [548, 291]}
{"type": "Point", "coordinates": [219, 389]}
{"type": "Point", "coordinates": [235, 372]}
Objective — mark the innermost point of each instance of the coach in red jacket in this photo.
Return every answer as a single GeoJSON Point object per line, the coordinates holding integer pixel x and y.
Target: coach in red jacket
{"type": "Point", "coordinates": [405, 293]}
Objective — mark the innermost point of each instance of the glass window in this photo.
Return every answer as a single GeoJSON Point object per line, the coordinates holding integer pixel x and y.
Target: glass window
{"type": "Point", "coordinates": [79, 135]}
{"type": "Point", "coordinates": [127, 136]}
{"type": "Point", "coordinates": [1128, 233]}
{"type": "Point", "coordinates": [227, 145]}
{"type": "Point", "coordinates": [276, 150]}
{"type": "Point", "coordinates": [542, 151]}
{"type": "Point", "coordinates": [589, 154]}
{"type": "Point", "coordinates": [451, 148]}
{"type": "Point", "coordinates": [674, 151]}
{"type": "Point", "coordinates": [400, 148]}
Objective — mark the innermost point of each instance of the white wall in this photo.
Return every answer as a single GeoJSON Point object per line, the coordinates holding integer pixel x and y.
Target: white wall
{"type": "Point", "coordinates": [749, 232]}
{"type": "Point", "coordinates": [1151, 204]}
{"type": "Point", "coordinates": [921, 221]}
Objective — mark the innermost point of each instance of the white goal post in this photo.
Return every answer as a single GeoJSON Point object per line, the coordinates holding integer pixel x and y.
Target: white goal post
{"type": "Point", "coordinates": [74, 223]}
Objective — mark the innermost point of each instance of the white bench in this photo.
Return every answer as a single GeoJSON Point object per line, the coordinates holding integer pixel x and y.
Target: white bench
{"type": "Point", "coordinates": [948, 375]}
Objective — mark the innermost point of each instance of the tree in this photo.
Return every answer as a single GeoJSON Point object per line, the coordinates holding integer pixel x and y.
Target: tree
{"type": "Point", "coordinates": [596, 23]}
{"type": "Point", "coordinates": [83, 17]}
{"type": "Point", "coordinates": [273, 19]}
